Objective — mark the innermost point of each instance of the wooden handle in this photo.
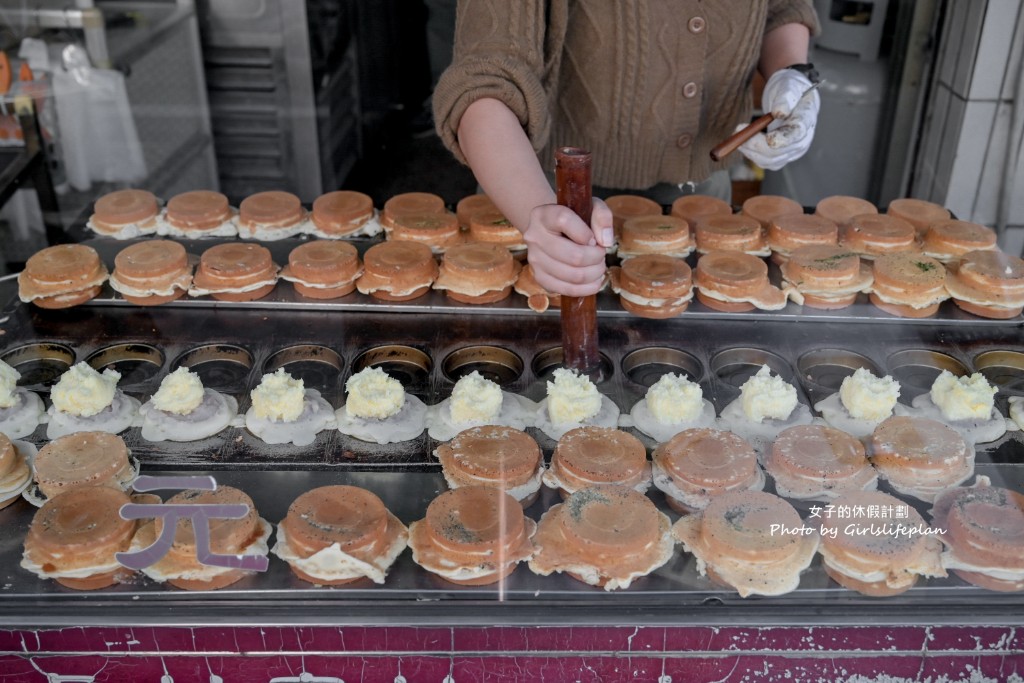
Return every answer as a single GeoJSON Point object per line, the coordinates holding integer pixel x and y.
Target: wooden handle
{"type": "Point", "coordinates": [729, 145]}
{"type": "Point", "coordinates": [579, 314]}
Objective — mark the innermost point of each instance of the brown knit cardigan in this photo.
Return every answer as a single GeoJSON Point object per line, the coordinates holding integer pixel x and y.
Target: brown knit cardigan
{"type": "Point", "coordinates": [648, 86]}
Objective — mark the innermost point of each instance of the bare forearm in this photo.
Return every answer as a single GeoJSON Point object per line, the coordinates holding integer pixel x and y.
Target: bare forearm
{"type": "Point", "coordinates": [503, 160]}
{"type": "Point", "coordinates": [782, 47]}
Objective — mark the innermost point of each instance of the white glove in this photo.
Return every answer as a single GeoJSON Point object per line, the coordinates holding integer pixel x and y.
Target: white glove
{"type": "Point", "coordinates": [790, 135]}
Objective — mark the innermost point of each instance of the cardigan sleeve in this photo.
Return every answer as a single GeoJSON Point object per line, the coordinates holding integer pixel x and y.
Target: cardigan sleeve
{"type": "Point", "coordinates": [782, 12]}
{"type": "Point", "coordinates": [500, 52]}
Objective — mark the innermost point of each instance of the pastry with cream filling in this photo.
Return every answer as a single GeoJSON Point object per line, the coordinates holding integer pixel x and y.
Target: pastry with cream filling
{"type": "Point", "coordinates": [496, 456]}
{"type": "Point", "coordinates": [766, 207]}
{"type": "Point", "coordinates": [825, 276]}
{"type": "Point", "coordinates": [477, 273]}
{"type": "Point", "coordinates": [815, 462]}
{"type": "Point", "coordinates": [878, 555]}
{"type": "Point", "coordinates": [767, 404]}
{"type": "Point", "coordinates": [84, 400]}
{"type": "Point", "coordinates": [665, 235]}
{"type": "Point", "coordinates": [410, 203]}
{"type": "Point", "coordinates": [920, 457]}
{"type": "Point", "coordinates": [492, 227]}
{"type": "Point", "coordinates": [919, 213]}
{"type": "Point", "coordinates": [574, 401]}
{"type": "Point", "coordinates": [343, 213]}
{"type": "Point", "coordinates": [235, 271]}
{"type": "Point", "coordinates": [696, 465]}
{"type": "Point", "coordinates": [908, 285]}
{"type": "Point", "coordinates": [862, 403]}
{"type": "Point", "coordinates": [269, 216]}
{"type": "Point", "coordinates": [598, 456]}
{"type": "Point", "coordinates": [731, 233]}
{"type": "Point", "coordinates": [873, 235]}
{"type": "Point", "coordinates": [62, 276]}
{"type": "Point", "coordinates": [152, 272]}
{"type": "Point", "coordinates": [477, 401]}
{"type": "Point", "coordinates": [608, 536]}
{"type": "Point", "coordinates": [180, 567]}
{"type": "Point", "coordinates": [967, 404]}
{"type": "Point", "coordinates": [397, 271]}
{"type": "Point", "coordinates": [470, 205]}
{"type": "Point", "coordinates": [197, 214]}
{"type": "Point", "coordinates": [731, 281]}
{"type": "Point", "coordinates": [984, 536]}
{"type": "Point", "coordinates": [472, 536]}
{"type": "Point", "coordinates": [323, 269]}
{"type": "Point", "coordinates": [15, 469]}
{"type": "Point", "coordinates": [335, 535]}
{"type": "Point", "coordinates": [74, 538]}
{"type": "Point", "coordinates": [751, 541]}
{"type": "Point", "coordinates": [81, 459]}
{"type": "Point", "coordinates": [20, 409]}
{"type": "Point", "coordinates": [839, 208]}
{"type": "Point", "coordinates": [284, 411]}
{"type": "Point", "coordinates": [672, 404]}
{"type": "Point", "coordinates": [124, 214]}
{"type": "Point", "coordinates": [989, 284]}
{"type": "Point", "coordinates": [378, 409]}
{"type": "Point", "coordinates": [653, 285]}
{"type": "Point", "coordinates": [692, 208]}
{"type": "Point", "coordinates": [948, 240]}
{"type": "Point", "coordinates": [183, 409]}
{"type": "Point", "coordinates": [439, 231]}
{"type": "Point", "coordinates": [790, 232]}
{"type": "Point", "coordinates": [625, 207]}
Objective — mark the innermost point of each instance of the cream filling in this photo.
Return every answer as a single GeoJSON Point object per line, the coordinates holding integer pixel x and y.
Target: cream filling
{"type": "Point", "coordinates": [552, 481]}
{"type": "Point", "coordinates": [520, 493]}
{"type": "Point", "coordinates": [121, 414]}
{"type": "Point", "coordinates": [664, 482]}
{"type": "Point", "coordinates": [334, 564]}
{"type": "Point", "coordinates": [126, 231]}
{"type": "Point", "coordinates": [759, 303]}
{"type": "Point", "coordinates": [486, 567]}
{"type": "Point", "coordinates": [323, 285]}
{"type": "Point", "coordinates": [666, 249]}
{"type": "Point", "coordinates": [228, 228]}
{"type": "Point", "coordinates": [77, 573]}
{"type": "Point", "coordinates": [764, 251]}
{"type": "Point", "coordinates": [370, 228]}
{"type": "Point", "coordinates": [75, 287]}
{"type": "Point", "coordinates": [663, 550]}
{"type": "Point", "coordinates": [158, 572]}
{"type": "Point", "coordinates": [516, 411]}
{"type": "Point", "coordinates": [951, 561]}
{"type": "Point", "coordinates": [607, 416]}
{"type": "Point", "coordinates": [934, 297]}
{"type": "Point", "coordinates": [654, 303]}
{"type": "Point", "coordinates": [660, 431]}
{"type": "Point", "coordinates": [271, 234]}
{"type": "Point", "coordinates": [22, 418]}
{"type": "Point", "coordinates": [181, 282]}
{"type": "Point", "coordinates": [385, 286]}
{"type": "Point", "coordinates": [199, 291]}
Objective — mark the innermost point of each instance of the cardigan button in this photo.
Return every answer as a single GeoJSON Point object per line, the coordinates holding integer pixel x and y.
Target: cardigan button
{"type": "Point", "coordinates": [697, 24]}
{"type": "Point", "coordinates": [690, 90]}
{"type": "Point", "coordinates": [684, 140]}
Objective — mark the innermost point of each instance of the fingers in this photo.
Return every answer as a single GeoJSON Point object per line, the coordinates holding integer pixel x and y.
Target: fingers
{"type": "Point", "coordinates": [601, 222]}
{"type": "Point", "coordinates": [563, 250]}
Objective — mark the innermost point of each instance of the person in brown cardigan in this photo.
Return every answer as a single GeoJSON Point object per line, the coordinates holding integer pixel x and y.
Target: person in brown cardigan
{"type": "Point", "coordinates": [648, 86]}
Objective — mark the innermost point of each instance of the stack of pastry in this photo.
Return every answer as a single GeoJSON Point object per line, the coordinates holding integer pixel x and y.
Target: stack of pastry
{"type": "Point", "coordinates": [948, 240]}
{"type": "Point", "coordinates": [125, 214]}
{"type": "Point", "coordinates": [151, 273]}
{"type": "Point", "coordinates": [491, 227]}
{"type": "Point", "coordinates": [653, 285]}
{"type": "Point", "coordinates": [839, 209]}
{"type": "Point", "coordinates": [664, 235]}
{"type": "Point", "coordinates": [344, 214]}
{"type": "Point", "coordinates": [822, 276]}
{"type": "Point", "coordinates": [271, 216]}
{"type": "Point", "coordinates": [919, 213]}
{"type": "Point", "coordinates": [62, 276]}
{"type": "Point", "coordinates": [477, 273]}
{"type": "Point", "coordinates": [790, 232]}
{"type": "Point", "coordinates": [987, 283]}
{"type": "Point", "coordinates": [235, 271]}
{"type": "Point", "coordinates": [415, 203]}
{"type": "Point", "coordinates": [200, 213]}
{"type": "Point", "coordinates": [598, 456]}
{"type": "Point", "coordinates": [397, 271]}
{"type": "Point", "coordinates": [323, 269]}
{"type": "Point", "coordinates": [873, 235]}
{"type": "Point", "coordinates": [908, 285]}
{"type": "Point", "coordinates": [731, 233]}
{"type": "Point", "coordinates": [732, 281]}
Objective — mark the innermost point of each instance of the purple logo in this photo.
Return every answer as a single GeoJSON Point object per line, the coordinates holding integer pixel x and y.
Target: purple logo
{"type": "Point", "coordinates": [199, 513]}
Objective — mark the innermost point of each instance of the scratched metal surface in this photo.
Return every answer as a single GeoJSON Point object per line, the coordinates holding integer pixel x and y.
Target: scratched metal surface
{"type": "Point", "coordinates": [407, 479]}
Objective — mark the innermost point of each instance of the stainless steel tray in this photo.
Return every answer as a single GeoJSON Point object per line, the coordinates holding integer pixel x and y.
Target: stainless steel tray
{"type": "Point", "coordinates": [719, 353]}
